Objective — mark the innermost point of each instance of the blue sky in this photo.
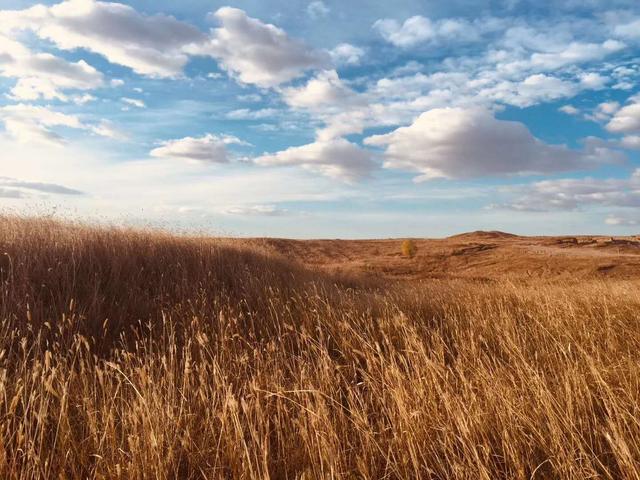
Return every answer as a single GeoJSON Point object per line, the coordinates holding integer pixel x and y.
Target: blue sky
{"type": "Point", "coordinates": [322, 118]}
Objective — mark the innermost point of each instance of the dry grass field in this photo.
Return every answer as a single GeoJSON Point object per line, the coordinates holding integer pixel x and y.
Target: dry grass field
{"type": "Point", "coordinates": [136, 355]}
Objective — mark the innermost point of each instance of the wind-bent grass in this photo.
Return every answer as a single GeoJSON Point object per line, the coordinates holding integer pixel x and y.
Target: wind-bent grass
{"type": "Point", "coordinates": [127, 354]}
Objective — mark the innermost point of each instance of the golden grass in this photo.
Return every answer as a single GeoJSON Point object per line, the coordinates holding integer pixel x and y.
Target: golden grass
{"type": "Point", "coordinates": [128, 354]}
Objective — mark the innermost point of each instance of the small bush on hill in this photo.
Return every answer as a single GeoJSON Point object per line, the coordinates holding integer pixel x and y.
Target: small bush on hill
{"type": "Point", "coordinates": [409, 248]}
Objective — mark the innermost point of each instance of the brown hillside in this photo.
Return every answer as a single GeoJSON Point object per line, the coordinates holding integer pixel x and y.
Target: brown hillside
{"type": "Point", "coordinates": [479, 255]}
{"type": "Point", "coordinates": [135, 354]}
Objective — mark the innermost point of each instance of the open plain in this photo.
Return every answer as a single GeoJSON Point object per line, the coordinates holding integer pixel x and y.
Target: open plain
{"type": "Point", "coordinates": [138, 354]}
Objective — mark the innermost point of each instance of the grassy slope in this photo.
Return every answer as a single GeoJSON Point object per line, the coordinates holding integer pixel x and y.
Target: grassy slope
{"type": "Point", "coordinates": [139, 355]}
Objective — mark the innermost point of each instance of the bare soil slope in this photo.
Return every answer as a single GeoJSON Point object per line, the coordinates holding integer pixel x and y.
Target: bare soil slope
{"type": "Point", "coordinates": [475, 255]}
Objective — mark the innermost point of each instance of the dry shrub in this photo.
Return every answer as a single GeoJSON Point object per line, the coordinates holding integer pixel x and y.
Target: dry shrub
{"type": "Point", "coordinates": [409, 248]}
{"type": "Point", "coordinates": [130, 354]}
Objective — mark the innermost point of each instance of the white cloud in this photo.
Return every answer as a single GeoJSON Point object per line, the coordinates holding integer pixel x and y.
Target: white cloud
{"type": "Point", "coordinates": [571, 194]}
{"type": "Point", "coordinates": [631, 141]}
{"type": "Point", "coordinates": [467, 143]}
{"type": "Point", "coordinates": [627, 119]}
{"type": "Point", "coordinates": [14, 188]}
{"type": "Point", "coordinates": [83, 99]}
{"type": "Point", "coordinates": [532, 90]}
{"type": "Point", "coordinates": [346, 54]}
{"type": "Point", "coordinates": [624, 71]}
{"type": "Point", "coordinates": [625, 76]}
{"type": "Point", "coordinates": [318, 9]}
{"type": "Point", "coordinates": [418, 29]}
{"type": "Point", "coordinates": [209, 148]}
{"type": "Point", "coordinates": [624, 85]}
{"type": "Point", "coordinates": [621, 221]}
{"type": "Point", "coordinates": [324, 90]}
{"type": "Point", "coordinates": [360, 111]}
{"type": "Point", "coordinates": [167, 182]}
{"type": "Point", "coordinates": [249, 97]}
{"type": "Point", "coordinates": [508, 73]}
{"type": "Point", "coordinates": [43, 75]}
{"type": "Point", "coordinates": [414, 30]}
{"type": "Point", "coordinates": [134, 102]}
{"type": "Point", "coordinates": [255, 210]}
{"type": "Point", "coordinates": [609, 108]}
{"type": "Point", "coordinates": [629, 30]}
{"type": "Point", "coordinates": [29, 123]}
{"type": "Point", "coordinates": [512, 59]}
{"type": "Point", "coordinates": [574, 53]}
{"type": "Point", "coordinates": [246, 114]}
{"type": "Point", "coordinates": [569, 110]}
{"type": "Point", "coordinates": [106, 129]}
{"type": "Point", "coordinates": [150, 45]}
{"type": "Point", "coordinates": [255, 52]}
{"type": "Point", "coordinates": [336, 158]}
{"type": "Point", "coordinates": [603, 111]}
{"type": "Point", "coordinates": [593, 80]}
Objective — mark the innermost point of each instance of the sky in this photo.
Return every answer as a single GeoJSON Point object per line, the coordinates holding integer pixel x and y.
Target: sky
{"type": "Point", "coordinates": [324, 119]}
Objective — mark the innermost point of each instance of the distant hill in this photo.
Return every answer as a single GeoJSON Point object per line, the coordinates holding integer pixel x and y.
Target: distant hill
{"type": "Point", "coordinates": [480, 255]}
{"type": "Point", "coordinates": [482, 234]}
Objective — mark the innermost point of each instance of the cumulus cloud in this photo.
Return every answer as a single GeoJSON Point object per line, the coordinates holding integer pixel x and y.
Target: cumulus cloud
{"type": "Point", "coordinates": [521, 65]}
{"type": "Point", "coordinates": [336, 158]}
{"type": "Point", "coordinates": [513, 58]}
{"type": "Point", "coordinates": [574, 53]}
{"type": "Point", "coordinates": [366, 110]}
{"type": "Point", "coordinates": [508, 73]}
{"type": "Point", "coordinates": [255, 52]}
{"type": "Point", "coordinates": [593, 80]}
{"type": "Point", "coordinates": [346, 54]}
{"type": "Point", "coordinates": [411, 32]}
{"type": "Point", "coordinates": [43, 75]}
{"type": "Point", "coordinates": [532, 90]}
{"type": "Point", "coordinates": [324, 90]}
{"type": "Point", "coordinates": [468, 143]}
{"type": "Point", "coordinates": [571, 194]}
{"type": "Point", "coordinates": [149, 44]}
{"type": "Point", "coordinates": [603, 111]}
{"type": "Point", "coordinates": [626, 119]}
{"type": "Point", "coordinates": [418, 29]}
{"type": "Point", "coordinates": [209, 148]}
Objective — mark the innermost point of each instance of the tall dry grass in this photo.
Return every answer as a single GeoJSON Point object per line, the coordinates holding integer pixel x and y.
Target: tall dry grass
{"type": "Point", "coordinates": [127, 354]}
